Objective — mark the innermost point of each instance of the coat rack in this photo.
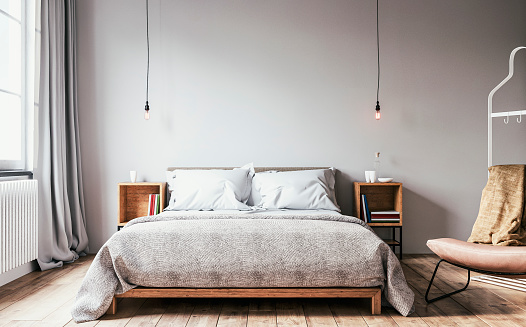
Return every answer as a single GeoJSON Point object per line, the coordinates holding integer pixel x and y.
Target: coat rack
{"type": "Point", "coordinates": [506, 114]}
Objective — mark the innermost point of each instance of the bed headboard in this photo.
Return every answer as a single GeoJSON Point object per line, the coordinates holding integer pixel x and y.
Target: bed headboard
{"type": "Point", "coordinates": [257, 169]}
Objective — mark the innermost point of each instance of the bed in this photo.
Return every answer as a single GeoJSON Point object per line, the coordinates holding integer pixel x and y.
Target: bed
{"type": "Point", "coordinates": [306, 250]}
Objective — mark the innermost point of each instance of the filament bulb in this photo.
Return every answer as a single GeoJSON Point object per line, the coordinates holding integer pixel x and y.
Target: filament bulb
{"type": "Point", "coordinates": [146, 111]}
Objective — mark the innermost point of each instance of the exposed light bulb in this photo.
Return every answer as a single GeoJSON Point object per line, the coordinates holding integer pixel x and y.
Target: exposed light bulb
{"type": "Point", "coordinates": [147, 111]}
{"type": "Point", "coordinates": [378, 115]}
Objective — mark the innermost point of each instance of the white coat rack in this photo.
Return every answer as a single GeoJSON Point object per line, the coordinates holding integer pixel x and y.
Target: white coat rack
{"type": "Point", "coordinates": [506, 114]}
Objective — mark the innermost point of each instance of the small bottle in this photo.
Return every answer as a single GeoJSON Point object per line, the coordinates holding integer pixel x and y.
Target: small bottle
{"type": "Point", "coordinates": [376, 164]}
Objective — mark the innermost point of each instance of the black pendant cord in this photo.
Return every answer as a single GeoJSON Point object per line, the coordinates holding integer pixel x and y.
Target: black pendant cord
{"type": "Point", "coordinates": [148, 51]}
{"type": "Point", "coordinates": [378, 54]}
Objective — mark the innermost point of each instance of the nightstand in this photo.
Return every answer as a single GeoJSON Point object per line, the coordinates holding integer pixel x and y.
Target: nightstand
{"type": "Point", "coordinates": [133, 200]}
{"type": "Point", "coordinates": [382, 197]}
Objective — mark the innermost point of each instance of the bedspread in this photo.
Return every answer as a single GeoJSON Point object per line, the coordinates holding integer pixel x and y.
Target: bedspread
{"type": "Point", "coordinates": [243, 250]}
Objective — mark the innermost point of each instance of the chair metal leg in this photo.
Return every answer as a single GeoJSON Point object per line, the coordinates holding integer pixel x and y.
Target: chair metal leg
{"type": "Point", "coordinates": [445, 295]}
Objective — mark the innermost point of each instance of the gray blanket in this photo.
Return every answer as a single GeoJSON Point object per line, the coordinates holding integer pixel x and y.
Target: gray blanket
{"type": "Point", "coordinates": [244, 250]}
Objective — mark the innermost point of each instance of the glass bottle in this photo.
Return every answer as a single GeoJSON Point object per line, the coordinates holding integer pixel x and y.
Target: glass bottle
{"type": "Point", "coordinates": [376, 164]}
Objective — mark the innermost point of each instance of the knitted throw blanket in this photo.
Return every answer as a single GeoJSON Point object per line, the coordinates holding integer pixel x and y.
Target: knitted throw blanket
{"type": "Point", "coordinates": [501, 219]}
{"type": "Point", "coordinates": [241, 251]}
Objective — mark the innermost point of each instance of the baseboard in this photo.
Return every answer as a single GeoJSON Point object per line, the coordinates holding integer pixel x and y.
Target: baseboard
{"type": "Point", "coordinates": [18, 272]}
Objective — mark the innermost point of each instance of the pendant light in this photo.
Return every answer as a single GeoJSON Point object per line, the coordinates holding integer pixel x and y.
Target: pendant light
{"type": "Point", "coordinates": [147, 107]}
{"type": "Point", "coordinates": [377, 114]}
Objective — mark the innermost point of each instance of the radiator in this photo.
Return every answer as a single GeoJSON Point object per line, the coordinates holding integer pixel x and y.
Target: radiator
{"type": "Point", "coordinates": [18, 223]}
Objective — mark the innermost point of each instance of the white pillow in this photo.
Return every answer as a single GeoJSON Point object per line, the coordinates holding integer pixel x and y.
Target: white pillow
{"type": "Point", "coordinates": [214, 189]}
{"type": "Point", "coordinates": [302, 189]}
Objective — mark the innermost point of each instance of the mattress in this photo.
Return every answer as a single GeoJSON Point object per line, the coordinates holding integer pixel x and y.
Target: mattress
{"type": "Point", "coordinates": [245, 249]}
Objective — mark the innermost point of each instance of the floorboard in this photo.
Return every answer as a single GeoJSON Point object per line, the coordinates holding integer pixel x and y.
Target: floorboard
{"type": "Point", "coordinates": [448, 306]}
{"type": "Point", "coordinates": [234, 313]}
{"type": "Point", "coordinates": [128, 308]}
{"type": "Point", "coordinates": [347, 314]}
{"type": "Point", "coordinates": [318, 314]}
{"type": "Point", "coordinates": [45, 299]}
{"type": "Point", "coordinates": [290, 313]}
{"type": "Point", "coordinates": [150, 313]}
{"type": "Point", "coordinates": [261, 312]}
{"type": "Point", "coordinates": [177, 314]}
{"type": "Point", "coordinates": [205, 314]}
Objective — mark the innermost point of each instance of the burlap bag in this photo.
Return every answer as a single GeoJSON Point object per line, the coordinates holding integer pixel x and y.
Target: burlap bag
{"type": "Point", "coordinates": [501, 219]}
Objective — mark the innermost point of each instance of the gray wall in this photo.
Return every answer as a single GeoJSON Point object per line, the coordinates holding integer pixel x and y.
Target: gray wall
{"type": "Point", "coordinates": [293, 83]}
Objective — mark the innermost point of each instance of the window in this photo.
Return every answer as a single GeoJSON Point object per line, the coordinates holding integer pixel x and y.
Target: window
{"type": "Point", "coordinates": [18, 53]}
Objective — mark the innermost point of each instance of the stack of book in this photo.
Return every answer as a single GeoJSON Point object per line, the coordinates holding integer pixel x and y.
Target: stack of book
{"type": "Point", "coordinates": [154, 204]}
{"type": "Point", "coordinates": [389, 216]}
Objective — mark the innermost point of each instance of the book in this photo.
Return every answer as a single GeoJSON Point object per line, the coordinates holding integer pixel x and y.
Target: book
{"type": "Point", "coordinates": [362, 208]}
{"type": "Point", "coordinates": [366, 212]}
{"type": "Point", "coordinates": [384, 216]}
{"type": "Point", "coordinates": [157, 204]}
{"type": "Point", "coordinates": [150, 204]}
{"type": "Point", "coordinates": [154, 206]}
{"type": "Point", "coordinates": [391, 214]}
{"type": "Point", "coordinates": [388, 212]}
{"type": "Point", "coordinates": [394, 221]}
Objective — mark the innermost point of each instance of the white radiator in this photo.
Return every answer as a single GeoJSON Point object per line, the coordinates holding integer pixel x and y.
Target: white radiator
{"type": "Point", "coordinates": [18, 223]}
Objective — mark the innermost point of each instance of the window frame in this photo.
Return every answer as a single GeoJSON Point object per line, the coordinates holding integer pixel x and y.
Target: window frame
{"type": "Point", "coordinates": [27, 88]}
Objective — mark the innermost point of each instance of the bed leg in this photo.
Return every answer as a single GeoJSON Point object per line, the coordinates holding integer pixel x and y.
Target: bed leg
{"type": "Point", "coordinates": [376, 303]}
{"type": "Point", "coordinates": [113, 307]}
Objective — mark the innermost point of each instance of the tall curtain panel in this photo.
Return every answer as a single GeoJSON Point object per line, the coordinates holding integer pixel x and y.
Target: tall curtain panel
{"type": "Point", "coordinates": [62, 226]}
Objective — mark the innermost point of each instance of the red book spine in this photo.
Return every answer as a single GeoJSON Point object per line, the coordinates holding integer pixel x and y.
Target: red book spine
{"type": "Point", "coordinates": [152, 204]}
{"type": "Point", "coordinates": [385, 216]}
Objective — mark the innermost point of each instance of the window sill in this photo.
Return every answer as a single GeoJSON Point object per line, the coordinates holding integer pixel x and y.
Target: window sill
{"type": "Point", "coordinates": [16, 173]}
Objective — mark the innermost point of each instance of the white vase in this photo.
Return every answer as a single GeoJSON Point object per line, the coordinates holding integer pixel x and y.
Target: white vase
{"type": "Point", "coordinates": [133, 176]}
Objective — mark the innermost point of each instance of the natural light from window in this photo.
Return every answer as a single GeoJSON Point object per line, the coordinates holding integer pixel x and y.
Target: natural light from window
{"type": "Point", "coordinates": [11, 80]}
{"type": "Point", "coordinates": [17, 80]}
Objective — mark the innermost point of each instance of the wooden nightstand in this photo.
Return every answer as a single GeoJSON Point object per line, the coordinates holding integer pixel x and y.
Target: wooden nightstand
{"type": "Point", "coordinates": [133, 200]}
{"type": "Point", "coordinates": [382, 197]}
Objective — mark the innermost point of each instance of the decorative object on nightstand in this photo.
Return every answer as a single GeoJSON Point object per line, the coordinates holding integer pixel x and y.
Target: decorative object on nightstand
{"type": "Point", "coordinates": [133, 176]}
{"type": "Point", "coordinates": [370, 176]}
{"type": "Point", "coordinates": [384, 205]}
{"type": "Point", "coordinates": [134, 199]}
{"type": "Point", "coordinates": [376, 164]}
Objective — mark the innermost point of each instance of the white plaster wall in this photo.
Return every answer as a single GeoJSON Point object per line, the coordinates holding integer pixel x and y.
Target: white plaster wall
{"type": "Point", "coordinates": [293, 83]}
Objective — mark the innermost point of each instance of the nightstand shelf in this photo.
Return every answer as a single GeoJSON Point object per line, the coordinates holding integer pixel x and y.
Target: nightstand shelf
{"type": "Point", "coordinates": [133, 200]}
{"type": "Point", "coordinates": [381, 197]}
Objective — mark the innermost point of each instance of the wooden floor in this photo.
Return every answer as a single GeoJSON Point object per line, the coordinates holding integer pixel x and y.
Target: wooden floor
{"type": "Point", "coordinates": [45, 299]}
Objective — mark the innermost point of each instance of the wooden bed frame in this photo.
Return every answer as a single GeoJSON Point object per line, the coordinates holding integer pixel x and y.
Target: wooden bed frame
{"type": "Point", "coordinates": [373, 293]}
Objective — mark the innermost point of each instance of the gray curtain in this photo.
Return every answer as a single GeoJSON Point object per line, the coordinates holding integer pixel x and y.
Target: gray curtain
{"type": "Point", "coordinates": [62, 228]}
